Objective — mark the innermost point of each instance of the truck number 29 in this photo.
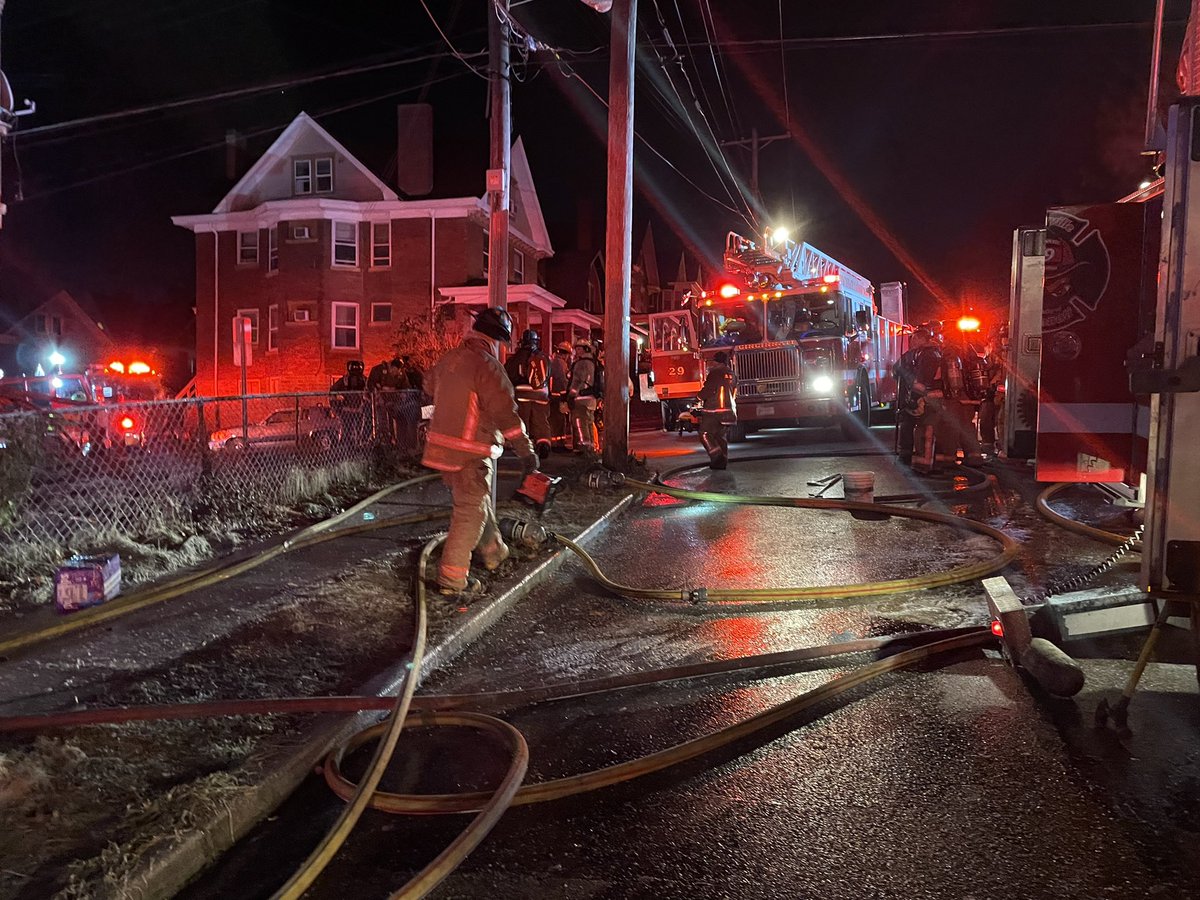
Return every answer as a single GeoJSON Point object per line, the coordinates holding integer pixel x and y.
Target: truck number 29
{"type": "Point", "coordinates": [674, 371]}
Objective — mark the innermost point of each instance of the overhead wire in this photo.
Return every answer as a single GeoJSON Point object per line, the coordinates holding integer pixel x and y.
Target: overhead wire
{"type": "Point", "coordinates": [715, 145]}
{"type": "Point", "coordinates": [715, 53]}
{"type": "Point", "coordinates": [183, 154]}
{"type": "Point", "coordinates": [454, 50]}
{"type": "Point", "coordinates": [234, 93]}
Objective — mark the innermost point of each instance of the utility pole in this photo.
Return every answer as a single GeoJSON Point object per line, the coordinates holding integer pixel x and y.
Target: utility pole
{"type": "Point", "coordinates": [6, 103]}
{"type": "Point", "coordinates": [755, 143]}
{"type": "Point", "coordinates": [618, 249]}
{"type": "Point", "coordinates": [500, 120]}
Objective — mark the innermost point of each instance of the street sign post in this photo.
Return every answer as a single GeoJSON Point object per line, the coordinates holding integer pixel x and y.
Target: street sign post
{"type": "Point", "coordinates": [243, 356]}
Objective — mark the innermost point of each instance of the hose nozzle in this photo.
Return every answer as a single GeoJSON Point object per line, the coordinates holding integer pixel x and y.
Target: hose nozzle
{"type": "Point", "coordinates": [599, 477]}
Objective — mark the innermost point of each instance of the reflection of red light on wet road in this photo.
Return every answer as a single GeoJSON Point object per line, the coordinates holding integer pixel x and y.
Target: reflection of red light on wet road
{"type": "Point", "coordinates": [740, 636]}
{"type": "Point", "coordinates": [662, 500]}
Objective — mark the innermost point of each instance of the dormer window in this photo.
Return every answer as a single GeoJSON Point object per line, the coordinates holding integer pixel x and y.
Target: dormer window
{"type": "Point", "coordinates": [312, 176]}
{"type": "Point", "coordinates": [302, 176]}
{"type": "Point", "coordinates": [324, 167]}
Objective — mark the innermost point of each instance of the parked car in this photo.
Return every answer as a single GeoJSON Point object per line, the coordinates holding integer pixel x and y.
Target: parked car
{"type": "Point", "coordinates": [314, 427]}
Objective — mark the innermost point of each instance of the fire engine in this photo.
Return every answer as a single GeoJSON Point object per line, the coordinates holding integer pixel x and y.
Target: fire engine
{"type": "Point", "coordinates": [806, 339]}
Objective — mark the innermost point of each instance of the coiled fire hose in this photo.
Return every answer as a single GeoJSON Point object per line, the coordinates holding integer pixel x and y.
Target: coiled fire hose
{"type": "Point", "coordinates": [967, 572]}
{"type": "Point", "coordinates": [1090, 531]}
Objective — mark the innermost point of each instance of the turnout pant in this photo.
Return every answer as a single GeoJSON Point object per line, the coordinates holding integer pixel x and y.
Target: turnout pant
{"type": "Point", "coordinates": [959, 432]}
{"type": "Point", "coordinates": [906, 426]}
{"type": "Point", "coordinates": [927, 431]}
{"type": "Point", "coordinates": [559, 415]}
{"type": "Point", "coordinates": [472, 523]}
{"type": "Point", "coordinates": [714, 435]}
{"type": "Point", "coordinates": [583, 420]}
{"type": "Point", "coordinates": [536, 417]}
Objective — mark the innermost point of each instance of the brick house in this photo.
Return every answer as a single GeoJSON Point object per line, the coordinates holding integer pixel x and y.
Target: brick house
{"type": "Point", "coordinates": [325, 258]}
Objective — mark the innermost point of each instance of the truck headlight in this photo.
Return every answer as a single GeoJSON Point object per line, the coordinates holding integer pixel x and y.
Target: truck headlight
{"type": "Point", "coordinates": [822, 384]}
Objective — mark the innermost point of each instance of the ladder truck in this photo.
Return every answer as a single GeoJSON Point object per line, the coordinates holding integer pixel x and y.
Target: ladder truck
{"type": "Point", "coordinates": [804, 334]}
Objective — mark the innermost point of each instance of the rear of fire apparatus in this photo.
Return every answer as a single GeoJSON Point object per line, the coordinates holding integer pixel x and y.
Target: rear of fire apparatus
{"type": "Point", "coordinates": [803, 332]}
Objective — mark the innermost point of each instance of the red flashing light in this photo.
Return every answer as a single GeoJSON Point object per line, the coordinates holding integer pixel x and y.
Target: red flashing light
{"type": "Point", "coordinates": [117, 366]}
{"type": "Point", "coordinates": [832, 279]}
{"type": "Point", "coordinates": [139, 368]}
{"type": "Point", "coordinates": [729, 290]}
{"type": "Point", "coordinates": [127, 423]}
{"type": "Point", "coordinates": [969, 323]}
{"type": "Point", "coordinates": [997, 628]}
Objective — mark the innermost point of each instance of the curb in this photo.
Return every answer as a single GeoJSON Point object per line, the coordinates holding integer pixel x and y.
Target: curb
{"type": "Point", "coordinates": [162, 874]}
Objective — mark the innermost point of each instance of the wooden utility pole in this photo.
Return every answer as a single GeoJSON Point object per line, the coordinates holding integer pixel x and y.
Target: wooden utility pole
{"type": "Point", "coordinates": [501, 140]}
{"type": "Point", "coordinates": [618, 250]}
{"type": "Point", "coordinates": [755, 143]}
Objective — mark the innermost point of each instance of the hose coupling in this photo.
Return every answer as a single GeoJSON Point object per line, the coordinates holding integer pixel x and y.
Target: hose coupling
{"type": "Point", "coordinates": [599, 477]}
{"type": "Point", "coordinates": [519, 531]}
{"type": "Point", "coordinates": [696, 596]}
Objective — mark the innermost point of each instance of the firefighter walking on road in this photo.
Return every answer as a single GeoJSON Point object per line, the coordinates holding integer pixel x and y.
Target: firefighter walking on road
{"type": "Point", "coordinates": [927, 404]}
{"type": "Point", "coordinates": [560, 381]}
{"type": "Point", "coordinates": [720, 409]}
{"type": "Point", "coordinates": [474, 415]}
{"type": "Point", "coordinates": [348, 400]}
{"type": "Point", "coordinates": [910, 404]}
{"type": "Point", "coordinates": [528, 369]}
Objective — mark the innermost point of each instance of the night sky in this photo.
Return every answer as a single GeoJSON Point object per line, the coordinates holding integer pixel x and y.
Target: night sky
{"type": "Point", "coordinates": [909, 152]}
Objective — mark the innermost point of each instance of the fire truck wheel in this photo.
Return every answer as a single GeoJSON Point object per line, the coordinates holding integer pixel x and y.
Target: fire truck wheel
{"type": "Point", "coordinates": [737, 433]}
{"type": "Point", "coordinates": [857, 419]}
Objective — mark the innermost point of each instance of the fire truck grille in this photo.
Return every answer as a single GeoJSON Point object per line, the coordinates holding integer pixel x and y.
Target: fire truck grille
{"type": "Point", "coordinates": [767, 372]}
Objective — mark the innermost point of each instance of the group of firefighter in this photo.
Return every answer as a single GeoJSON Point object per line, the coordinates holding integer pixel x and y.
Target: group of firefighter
{"type": "Point", "coordinates": [384, 403]}
{"type": "Point", "coordinates": [947, 399]}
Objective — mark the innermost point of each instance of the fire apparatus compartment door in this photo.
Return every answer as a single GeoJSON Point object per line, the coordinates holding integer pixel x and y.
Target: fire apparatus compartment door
{"type": "Point", "coordinates": [676, 364]}
{"type": "Point", "coordinates": [1024, 353]}
{"type": "Point", "coordinates": [1094, 278]}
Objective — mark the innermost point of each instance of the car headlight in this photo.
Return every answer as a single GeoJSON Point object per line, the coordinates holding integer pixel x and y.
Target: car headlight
{"type": "Point", "coordinates": [822, 384]}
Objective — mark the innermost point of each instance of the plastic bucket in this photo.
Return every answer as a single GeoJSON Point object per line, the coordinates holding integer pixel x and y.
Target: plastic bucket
{"type": "Point", "coordinates": [859, 487]}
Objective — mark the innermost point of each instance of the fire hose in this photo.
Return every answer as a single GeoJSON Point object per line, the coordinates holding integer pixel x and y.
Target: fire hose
{"type": "Point", "coordinates": [1090, 531]}
{"type": "Point", "coordinates": [220, 571]}
{"type": "Point", "coordinates": [489, 806]}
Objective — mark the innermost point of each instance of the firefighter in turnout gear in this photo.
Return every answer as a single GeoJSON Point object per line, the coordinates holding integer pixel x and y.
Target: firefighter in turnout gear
{"type": "Point", "coordinates": [910, 406]}
{"type": "Point", "coordinates": [964, 383]}
{"type": "Point", "coordinates": [349, 402]}
{"type": "Point", "coordinates": [583, 395]}
{"type": "Point", "coordinates": [474, 415]}
{"type": "Point", "coordinates": [927, 405]}
{"type": "Point", "coordinates": [720, 409]}
{"type": "Point", "coordinates": [528, 369]}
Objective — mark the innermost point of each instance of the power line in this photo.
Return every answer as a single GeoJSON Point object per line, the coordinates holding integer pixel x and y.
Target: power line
{"type": "Point", "coordinates": [709, 148]}
{"type": "Point", "coordinates": [453, 49]}
{"type": "Point", "coordinates": [183, 154]}
{"type": "Point", "coordinates": [710, 34]}
{"type": "Point", "coordinates": [234, 93]}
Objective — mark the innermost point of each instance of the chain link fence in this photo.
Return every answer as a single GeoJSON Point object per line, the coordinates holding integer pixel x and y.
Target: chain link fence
{"type": "Point", "coordinates": [74, 476]}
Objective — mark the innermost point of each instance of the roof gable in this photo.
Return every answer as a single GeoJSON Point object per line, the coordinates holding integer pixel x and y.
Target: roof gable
{"type": "Point", "coordinates": [524, 205]}
{"type": "Point", "coordinates": [270, 178]}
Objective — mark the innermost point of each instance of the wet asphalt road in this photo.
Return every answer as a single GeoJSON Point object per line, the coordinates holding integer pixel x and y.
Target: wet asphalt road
{"type": "Point", "coordinates": [949, 782]}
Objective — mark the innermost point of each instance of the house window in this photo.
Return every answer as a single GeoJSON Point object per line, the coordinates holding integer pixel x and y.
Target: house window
{"type": "Point", "coordinates": [273, 327]}
{"type": "Point", "coordinates": [486, 257]}
{"type": "Point", "coordinates": [302, 176]}
{"type": "Point", "coordinates": [381, 313]}
{"type": "Point", "coordinates": [252, 315]}
{"type": "Point", "coordinates": [345, 326]}
{"type": "Point", "coordinates": [273, 248]}
{"type": "Point", "coordinates": [345, 244]}
{"type": "Point", "coordinates": [301, 233]}
{"type": "Point", "coordinates": [247, 248]}
{"type": "Point", "coordinates": [324, 174]}
{"type": "Point", "coordinates": [518, 272]}
{"type": "Point", "coordinates": [56, 325]}
{"type": "Point", "coordinates": [381, 245]}
{"type": "Point", "coordinates": [39, 324]}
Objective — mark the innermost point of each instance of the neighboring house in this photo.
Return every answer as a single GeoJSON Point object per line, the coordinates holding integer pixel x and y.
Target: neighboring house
{"type": "Point", "coordinates": [325, 259]}
{"type": "Point", "coordinates": [32, 329]}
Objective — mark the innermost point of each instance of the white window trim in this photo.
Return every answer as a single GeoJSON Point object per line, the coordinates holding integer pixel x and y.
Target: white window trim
{"type": "Point", "coordinates": [273, 328]}
{"type": "Point", "coordinates": [375, 321]}
{"type": "Point", "coordinates": [247, 262]}
{"type": "Point", "coordinates": [518, 267]}
{"type": "Point", "coordinates": [333, 244]}
{"type": "Point", "coordinates": [252, 315]}
{"type": "Point", "coordinates": [487, 255]}
{"type": "Point", "coordinates": [296, 177]}
{"type": "Point", "coordinates": [316, 178]}
{"type": "Point", "coordinates": [387, 264]}
{"type": "Point", "coordinates": [334, 326]}
{"type": "Point", "coordinates": [273, 249]}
